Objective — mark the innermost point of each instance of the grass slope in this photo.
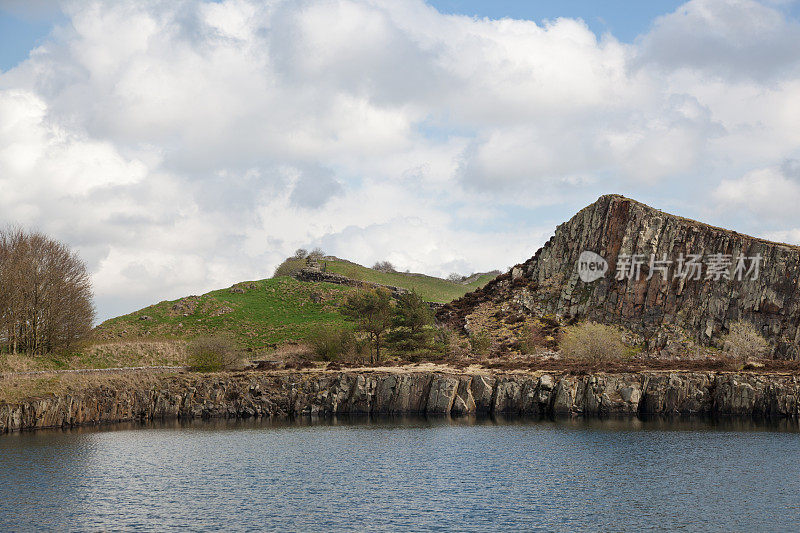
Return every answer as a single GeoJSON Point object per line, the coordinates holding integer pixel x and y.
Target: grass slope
{"type": "Point", "coordinates": [266, 312]}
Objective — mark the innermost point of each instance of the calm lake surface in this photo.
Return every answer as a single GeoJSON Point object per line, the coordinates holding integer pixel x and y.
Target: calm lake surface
{"type": "Point", "coordinates": [405, 474]}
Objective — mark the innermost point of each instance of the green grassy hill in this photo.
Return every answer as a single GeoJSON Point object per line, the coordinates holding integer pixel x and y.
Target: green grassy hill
{"type": "Point", "coordinates": [256, 313]}
{"type": "Point", "coordinates": [271, 311]}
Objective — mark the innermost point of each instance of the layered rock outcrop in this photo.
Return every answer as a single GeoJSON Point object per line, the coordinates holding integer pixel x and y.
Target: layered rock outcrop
{"type": "Point", "coordinates": [667, 304]}
{"type": "Point", "coordinates": [258, 394]}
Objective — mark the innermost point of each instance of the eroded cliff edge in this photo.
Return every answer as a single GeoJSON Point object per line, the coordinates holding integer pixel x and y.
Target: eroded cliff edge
{"type": "Point", "coordinates": [259, 394]}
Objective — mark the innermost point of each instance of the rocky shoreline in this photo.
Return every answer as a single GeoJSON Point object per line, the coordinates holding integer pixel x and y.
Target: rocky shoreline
{"type": "Point", "coordinates": [324, 393]}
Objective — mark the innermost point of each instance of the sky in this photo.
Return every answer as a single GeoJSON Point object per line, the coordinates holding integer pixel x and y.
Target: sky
{"type": "Point", "coordinates": [182, 146]}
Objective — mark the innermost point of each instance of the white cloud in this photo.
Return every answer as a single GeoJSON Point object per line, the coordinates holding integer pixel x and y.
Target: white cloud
{"type": "Point", "coordinates": [770, 193]}
{"type": "Point", "coordinates": [727, 38]}
{"type": "Point", "coordinates": [790, 236]}
{"type": "Point", "coordinates": [185, 146]}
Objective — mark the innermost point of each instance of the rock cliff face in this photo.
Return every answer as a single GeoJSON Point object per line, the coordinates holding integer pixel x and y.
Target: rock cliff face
{"type": "Point", "coordinates": [664, 305]}
{"type": "Point", "coordinates": [247, 395]}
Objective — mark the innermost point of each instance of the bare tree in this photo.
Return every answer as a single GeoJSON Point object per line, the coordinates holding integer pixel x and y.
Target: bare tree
{"type": "Point", "coordinates": [45, 294]}
{"type": "Point", "coordinates": [316, 254]}
{"type": "Point", "coordinates": [383, 266]}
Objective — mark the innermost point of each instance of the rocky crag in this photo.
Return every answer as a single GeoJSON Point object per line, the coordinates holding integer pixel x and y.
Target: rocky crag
{"type": "Point", "coordinates": [668, 306]}
{"type": "Point", "coordinates": [259, 394]}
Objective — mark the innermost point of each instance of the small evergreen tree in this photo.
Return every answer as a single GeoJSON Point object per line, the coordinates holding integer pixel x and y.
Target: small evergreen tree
{"type": "Point", "coordinates": [372, 311]}
{"type": "Point", "coordinates": [411, 324]}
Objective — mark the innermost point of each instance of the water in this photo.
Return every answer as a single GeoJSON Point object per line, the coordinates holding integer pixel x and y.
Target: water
{"type": "Point", "coordinates": [413, 474]}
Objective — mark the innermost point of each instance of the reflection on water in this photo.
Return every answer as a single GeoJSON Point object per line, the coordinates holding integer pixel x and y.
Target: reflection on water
{"type": "Point", "coordinates": [406, 473]}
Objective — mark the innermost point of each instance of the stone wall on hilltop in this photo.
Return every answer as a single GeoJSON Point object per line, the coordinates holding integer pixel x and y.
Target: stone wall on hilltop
{"type": "Point", "coordinates": [316, 275]}
{"type": "Point", "coordinates": [667, 310]}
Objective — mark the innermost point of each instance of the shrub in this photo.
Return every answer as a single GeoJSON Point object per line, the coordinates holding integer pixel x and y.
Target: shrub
{"type": "Point", "coordinates": [444, 337]}
{"type": "Point", "coordinates": [592, 342]}
{"type": "Point", "coordinates": [332, 342]}
{"type": "Point", "coordinates": [743, 341]}
{"type": "Point", "coordinates": [448, 343]}
{"type": "Point", "coordinates": [530, 340]}
{"type": "Point", "coordinates": [211, 354]}
{"type": "Point", "coordinates": [480, 342]}
{"type": "Point", "coordinates": [300, 253]}
{"type": "Point", "coordinates": [289, 267]}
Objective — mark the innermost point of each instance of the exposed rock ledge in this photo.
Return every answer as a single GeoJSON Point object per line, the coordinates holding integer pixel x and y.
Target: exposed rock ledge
{"type": "Point", "coordinates": [257, 394]}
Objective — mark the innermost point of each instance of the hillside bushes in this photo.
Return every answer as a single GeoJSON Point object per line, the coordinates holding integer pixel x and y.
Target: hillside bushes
{"type": "Point", "coordinates": [331, 342]}
{"type": "Point", "coordinates": [403, 327]}
{"type": "Point", "coordinates": [212, 354]}
{"type": "Point", "coordinates": [480, 342]}
{"type": "Point", "coordinates": [289, 267]}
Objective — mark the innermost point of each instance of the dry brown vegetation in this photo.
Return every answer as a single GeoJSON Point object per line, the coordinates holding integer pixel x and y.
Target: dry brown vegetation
{"type": "Point", "coordinates": [212, 354]}
{"type": "Point", "coordinates": [592, 342]}
{"type": "Point", "coordinates": [743, 341]}
{"type": "Point", "coordinates": [102, 355]}
{"type": "Point", "coordinates": [290, 351]}
{"type": "Point", "coordinates": [133, 353]}
{"type": "Point", "coordinates": [337, 343]}
{"type": "Point", "coordinates": [15, 388]}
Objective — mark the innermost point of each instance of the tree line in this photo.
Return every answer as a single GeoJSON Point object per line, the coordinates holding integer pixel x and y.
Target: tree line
{"type": "Point", "coordinates": [403, 324]}
{"type": "Point", "coordinates": [45, 294]}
